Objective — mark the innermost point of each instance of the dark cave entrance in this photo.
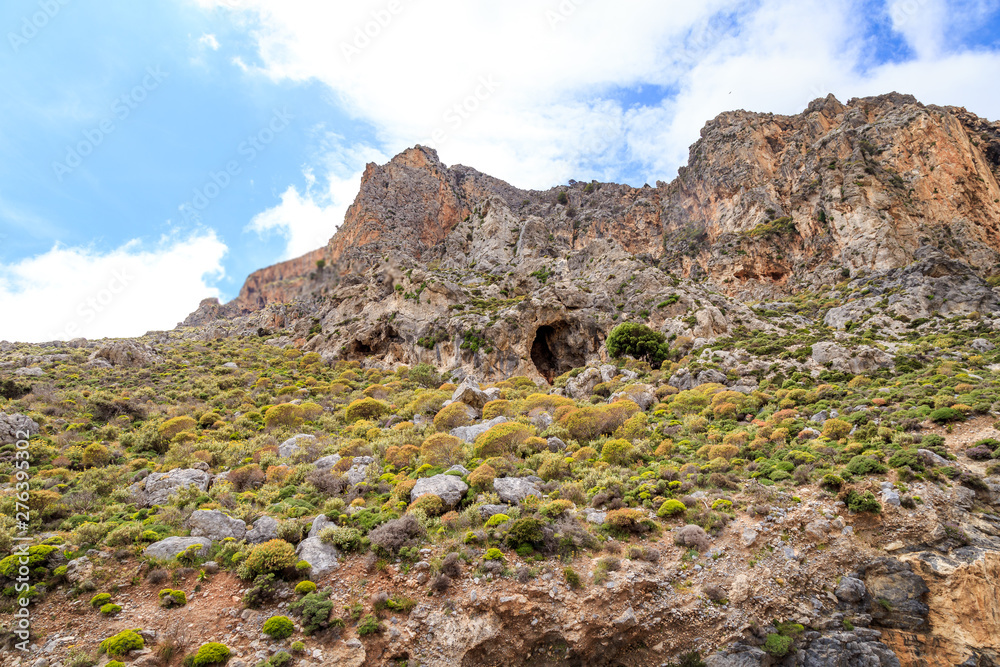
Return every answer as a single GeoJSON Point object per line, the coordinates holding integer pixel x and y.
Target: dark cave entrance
{"type": "Point", "coordinates": [552, 352]}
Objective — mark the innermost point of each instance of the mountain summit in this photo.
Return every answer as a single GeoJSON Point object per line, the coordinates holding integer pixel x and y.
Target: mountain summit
{"type": "Point", "coordinates": [449, 266]}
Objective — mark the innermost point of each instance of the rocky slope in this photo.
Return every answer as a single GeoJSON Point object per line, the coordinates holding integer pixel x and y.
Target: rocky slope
{"type": "Point", "coordinates": [461, 270]}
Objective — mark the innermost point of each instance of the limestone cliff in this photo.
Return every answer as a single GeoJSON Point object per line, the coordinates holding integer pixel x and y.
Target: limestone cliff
{"type": "Point", "coordinates": [452, 267]}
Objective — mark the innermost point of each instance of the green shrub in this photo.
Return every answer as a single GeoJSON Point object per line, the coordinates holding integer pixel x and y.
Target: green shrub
{"type": "Point", "coordinates": [497, 519]}
{"type": "Point", "coordinates": [369, 625]}
{"type": "Point", "coordinates": [171, 598]}
{"type": "Point", "coordinates": [639, 342]}
{"type": "Point", "coordinates": [865, 465]}
{"type": "Point", "coordinates": [122, 643]}
{"type": "Point", "coordinates": [285, 414]}
{"type": "Point", "coordinates": [37, 556]}
{"type": "Point", "coordinates": [671, 508]}
{"type": "Point", "coordinates": [297, 647]}
{"type": "Point", "coordinates": [271, 557]}
{"type": "Point", "coordinates": [452, 416]}
{"type": "Point", "coordinates": [502, 439]}
{"type": "Point", "coordinates": [366, 408]}
{"type": "Point", "coordinates": [617, 452]}
{"type": "Point", "coordinates": [278, 627]}
{"type": "Point", "coordinates": [304, 587]}
{"type": "Point", "coordinates": [493, 554]}
{"type": "Point", "coordinates": [110, 609]}
{"type": "Point", "coordinates": [525, 531]}
{"type": "Point", "coordinates": [862, 502]}
{"type": "Point", "coordinates": [314, 608]}
{"type": "Point", "coordinates": [171, 428]}
{"type": "Point", "coordinates": [212, 653]}
{"type": "Point", "coordinates": [835, 429]}
{"type": "Point", "coordinates": [946, 415]}
{"type": "Point", "coordinates": [343, 537]}
{"type": "Point", "coordinates": [572, 578]}
{"type": "Point", "coordinates": [100, 599]}
{"type": "Point", "coordinates": [778, 645]}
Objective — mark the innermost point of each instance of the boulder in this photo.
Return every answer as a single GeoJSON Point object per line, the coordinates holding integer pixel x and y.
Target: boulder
{"type": "Point", "coordinates": [469, 393]}
{"type": "Point", "coordinates": [264, 529]}
{"type": "Point", "coordinates": [860, 359]}
{"type": "Point", "coordinates": [79, 569]}
{"type": "Point", "coordinates": [323, 557]}
{"type": "Point", "coordinates": [358, 471]}
{"type": "Point", "coordinates": [890, 496]}
{"type": "Point", "coordinates": [462, 470]}
{"type": "Point", "coordinates": [15, 427]}
{"type": "Point", "coordinates": [448, 488]}
{"type": "Point", "coordinates": [850, 590]}
{"type": "Point", "coordinates": [642, 395]}
{"type": "Point", "coordinates": [515, 489]}
{"type": "Point", "coordinates": [157, 488]}
{"type": "Point", "coordinates": [327, 462]}
{"type": "Point", "coordinates": [486, 511]}
{"type": "Point", "coordinates": [126, 353]}
{"type": "Point", "coordinates": [818, 530]}
{"type": "Point", "coordinates": [856, 648]}
{"type": "Point", "coordinates": [294, 444]}
{"type": "Point", "coordinates": [931, 459]}
{"type": "Point", "coordinates": [556, 444]}
{"type": "Point", "coordinates": [168, 548]}
{"type": "Point", "coordinates": [34, 372]}
{"type": "Point", "coordinates": [738, 655]}
{"type": "Point", "coordinates": [582, 386]}
{"type": "Point", "coordinates": [982, 345]}
{"type": "Point", "coordinates": [216, 525]}
{"type": "Point", "coordinates": [896, 595]}
{"type": "Point", "coordinates": [470, 433]}
{"type": "Point", "coordinates": [318, 524]}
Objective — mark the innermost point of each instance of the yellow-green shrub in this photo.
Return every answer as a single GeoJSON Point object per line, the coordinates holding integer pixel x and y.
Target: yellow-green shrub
{"type": "Point", "coordinates": [502, 439]}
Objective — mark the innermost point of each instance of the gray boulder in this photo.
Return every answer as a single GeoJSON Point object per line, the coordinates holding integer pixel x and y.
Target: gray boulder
{"type": "Point", "coordinates": [982, 345]}
{"type": "Point", "coordinates": [327, 462]}
{"type": "Point", "coordinates": [294, 444]}
{"type": "Point", "coordinates": [448, 488]}
{"type": "Point", "coordinates": [850, 590]}
{"type": "Point", "coordinates": [79, 569]}
{"type": "Point", "coordinates": [34, 372]}
{"type": "Point", "coordinates": [469, 393]}
{"type": "Point", "coordinates": [470, 433]}
{"type": "Point", "coordinates": [264, 529]}
{"type": "Point", "coordinates": [216, 525]}
{"type": "Point", "coordinates": [462, 470]}
{"type": "Point", "coordinates": [738, 655]}
{"type": "Point", "coordinates": [902, 591]}
{"type": "Point", "coordinates": [860, 647]}
{"type": "Point", "coordinates": [515, 489]}
{"type": "Point", "coordinates": [157, 488]}
{"type": "Point", "coordinates": [486, 511]}
{"type": "Point", "coordinates": [14, 427]}
{"type": "Point", "coordinates": [126, 353]}
{"type": "Point", "coordinates": [168, 548]}
{"type": "Point", "coordinates": [318, 524]}
{"type": "Point", "coordinates": [556, 444]}
{"type": "Point", "coordinates": [860, 359]}
{"type": "Point", "coordinates": [323, 557]}
{"type": "Point", "coordinates": [358, 471]}
{"type": "Point", "coordinates": [582, 386]}
{"type": "Point", "coordinates": [931, 459]}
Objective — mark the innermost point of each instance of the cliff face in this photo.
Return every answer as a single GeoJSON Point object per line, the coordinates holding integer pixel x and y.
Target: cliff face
{"type": "Point", "coordinates": [449, 266]}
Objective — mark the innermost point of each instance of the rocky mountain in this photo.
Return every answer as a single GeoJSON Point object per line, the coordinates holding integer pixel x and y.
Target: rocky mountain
{"type": "Point", "coordinates": [449, 266]}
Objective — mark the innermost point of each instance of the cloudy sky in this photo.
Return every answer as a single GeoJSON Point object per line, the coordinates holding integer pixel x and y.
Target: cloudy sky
{"type": "Point", "coordinates": [156, 152]}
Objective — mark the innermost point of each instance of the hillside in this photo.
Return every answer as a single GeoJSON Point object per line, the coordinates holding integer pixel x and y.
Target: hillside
{"type": "Point", "coordinates": [428, 444]}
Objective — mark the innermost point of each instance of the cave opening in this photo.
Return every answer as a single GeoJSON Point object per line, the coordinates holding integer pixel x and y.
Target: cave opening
{"type": "Point", "coordinates": [553, 353]}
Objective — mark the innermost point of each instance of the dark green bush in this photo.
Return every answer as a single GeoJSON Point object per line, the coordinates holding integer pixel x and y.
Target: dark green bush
{"type": "Point", "coordinates": [639, 342]}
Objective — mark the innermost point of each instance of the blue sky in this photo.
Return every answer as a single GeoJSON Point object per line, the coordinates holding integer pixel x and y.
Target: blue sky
{"type": "Point", "coordinates": [114, 117]}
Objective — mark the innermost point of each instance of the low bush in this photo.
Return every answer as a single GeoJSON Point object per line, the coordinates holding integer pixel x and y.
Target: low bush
{"type": "Point", "coordinates": [278, 627]}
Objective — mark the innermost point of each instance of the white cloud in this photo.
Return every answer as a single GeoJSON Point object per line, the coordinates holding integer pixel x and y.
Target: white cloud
{"type": "Point", "coordinates": [70, 292]}
{"type": "Point", "coordinates": [308, 219]}
{"type": "Point", "coordinates": [558, 109]}
{"type": "Point", "coordinates": [210, 41]}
